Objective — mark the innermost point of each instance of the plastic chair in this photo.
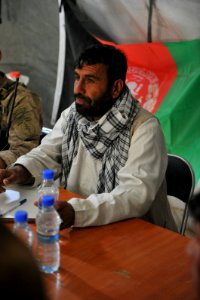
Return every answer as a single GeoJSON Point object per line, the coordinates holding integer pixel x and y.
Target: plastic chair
{"type": "Point", "coordinates": [180, 183]}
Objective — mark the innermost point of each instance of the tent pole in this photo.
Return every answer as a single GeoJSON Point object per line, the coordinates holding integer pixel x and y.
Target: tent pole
{"type": "Point", "coordinates": [149, 31]}
{"type": "Point", "coordinates": [61, 63]}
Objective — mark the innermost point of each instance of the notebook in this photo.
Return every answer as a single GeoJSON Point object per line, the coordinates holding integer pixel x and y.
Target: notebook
{"type": "Point", "coordinates": [12, 196]}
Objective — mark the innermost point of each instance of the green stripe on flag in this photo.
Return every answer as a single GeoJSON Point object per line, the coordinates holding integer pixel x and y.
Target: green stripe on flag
{"type": "Point", "coordinates": [179, 113]}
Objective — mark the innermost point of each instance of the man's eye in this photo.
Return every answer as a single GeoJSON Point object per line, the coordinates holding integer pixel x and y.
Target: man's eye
{"type": "Point", "coordinates": [90, 80]}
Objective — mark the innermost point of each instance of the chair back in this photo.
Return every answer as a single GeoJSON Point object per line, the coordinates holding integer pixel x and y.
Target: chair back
{"type": "Point", "coordinates": [180, 183]}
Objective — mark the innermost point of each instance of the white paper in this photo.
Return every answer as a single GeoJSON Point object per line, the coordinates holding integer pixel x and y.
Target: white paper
{"type": "Point", "coordinates": [9, 196]}
{"type": "Point", "coordinates": [20, 192]}
{"type": "Point", "coordinates": [8, 199]}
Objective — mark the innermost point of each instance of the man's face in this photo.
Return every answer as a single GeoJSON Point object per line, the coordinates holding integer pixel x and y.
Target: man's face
{"type": "Point", "coordinates": [93, 96]}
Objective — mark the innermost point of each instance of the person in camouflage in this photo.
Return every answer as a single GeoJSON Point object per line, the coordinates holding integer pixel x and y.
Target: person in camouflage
{"type": "Point", "coordinates": [20, 120]}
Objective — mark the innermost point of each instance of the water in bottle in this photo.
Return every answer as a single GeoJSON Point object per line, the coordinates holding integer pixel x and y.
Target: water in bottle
{"type": "Point", "coordinates": [48, 225]}
{"type": "Point", "coordinates": [48, 186]}
{"type": "Point", "coordinates": [22, 229]}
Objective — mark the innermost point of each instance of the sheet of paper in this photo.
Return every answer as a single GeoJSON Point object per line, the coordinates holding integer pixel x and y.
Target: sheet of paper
{"type": "Point", "coordinates": [8, 199]}
{"type": "Point", "coordinates": [30, 193]}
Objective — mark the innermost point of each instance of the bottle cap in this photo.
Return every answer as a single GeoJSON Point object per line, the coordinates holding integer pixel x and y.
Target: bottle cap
{"type": "Point", "coordinates": [48, 174]}
{"type": "Point", "coordinates": [47, 200]}
{"type": "Point", "coordinates": [21, 216]}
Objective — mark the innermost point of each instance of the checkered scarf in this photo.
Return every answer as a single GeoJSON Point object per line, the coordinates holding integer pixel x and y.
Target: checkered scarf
{"type": "Point", "coordinates": [107, 140]}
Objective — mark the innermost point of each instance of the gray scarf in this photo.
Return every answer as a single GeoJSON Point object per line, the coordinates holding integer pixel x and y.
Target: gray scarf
{"type": "Point", "coordinates": [107, 140]}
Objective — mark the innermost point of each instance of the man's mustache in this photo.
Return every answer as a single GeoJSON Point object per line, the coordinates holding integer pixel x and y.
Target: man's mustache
{"type": "Point", "coordinates": [86, 99]}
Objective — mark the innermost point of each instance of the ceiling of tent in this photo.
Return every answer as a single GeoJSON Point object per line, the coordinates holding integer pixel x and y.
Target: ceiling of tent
{"type": "Point", "coordinates": [29, 35]}
{"type": "Point", "coordinates": [126, 21]}
{"type": "Point", "coordinates": [122, 22]}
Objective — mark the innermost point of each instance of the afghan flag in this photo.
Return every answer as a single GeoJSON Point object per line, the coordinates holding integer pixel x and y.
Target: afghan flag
{"type": "Point", "coordinates": [165, 78]}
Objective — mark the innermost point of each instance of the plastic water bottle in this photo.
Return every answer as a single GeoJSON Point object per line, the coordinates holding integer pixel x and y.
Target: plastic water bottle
{"type": "Point", "coordinates": [48, 186]}
{"type": "Point", "coordinates": [47, 226]}
{"type": "Point", "coordinates": [22, 229]}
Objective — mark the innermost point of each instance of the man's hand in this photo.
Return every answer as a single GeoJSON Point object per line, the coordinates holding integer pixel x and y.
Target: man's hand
{"type": "Point", "coordinates": [66, 212]}
{"type": "Point", "coordinates": [16, 175]}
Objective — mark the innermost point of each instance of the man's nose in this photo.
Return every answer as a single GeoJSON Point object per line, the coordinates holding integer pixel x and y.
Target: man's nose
{"type": "Point", "coordinates": [79, 87]}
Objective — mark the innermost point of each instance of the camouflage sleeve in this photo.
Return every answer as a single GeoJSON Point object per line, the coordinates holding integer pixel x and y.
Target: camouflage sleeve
{"type": "Point", "coordinates": [26, 125]}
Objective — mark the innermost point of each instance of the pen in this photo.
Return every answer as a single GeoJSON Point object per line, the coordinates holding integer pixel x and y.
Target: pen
{"type": "Point", "coordinates": [21, 202]}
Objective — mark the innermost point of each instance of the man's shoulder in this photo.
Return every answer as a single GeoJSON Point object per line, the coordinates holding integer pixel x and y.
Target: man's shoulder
{"type": "Point", "coordinates": [22, 90]}
{"type": "Point", "coordinates": [27, 97]}
{"type": "Point", "coordinates": [66, 111]}
{"type": "Point", "coordinates": [142, 116]}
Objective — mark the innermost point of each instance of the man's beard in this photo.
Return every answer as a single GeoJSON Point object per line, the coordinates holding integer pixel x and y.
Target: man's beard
{"type": "Point", "coordinates": [97, 108]}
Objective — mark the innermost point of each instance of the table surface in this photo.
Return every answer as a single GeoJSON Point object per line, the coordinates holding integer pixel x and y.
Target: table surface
{"type": "Point", "coordinates": [131, 259]}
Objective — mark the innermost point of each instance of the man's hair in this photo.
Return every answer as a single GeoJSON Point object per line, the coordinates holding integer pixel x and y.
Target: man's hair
{"type": "Point", "coordinates": [113, 58]}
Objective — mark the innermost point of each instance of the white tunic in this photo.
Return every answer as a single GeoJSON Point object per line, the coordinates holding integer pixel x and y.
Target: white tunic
{"type": "Point", "coordinates": [139, 179]}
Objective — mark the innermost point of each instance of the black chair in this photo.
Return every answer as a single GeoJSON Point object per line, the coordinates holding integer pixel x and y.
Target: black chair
{"type": "Point", "coordinates": [44, 132]}
{"type": "Point", "coordinates": [180, 183]}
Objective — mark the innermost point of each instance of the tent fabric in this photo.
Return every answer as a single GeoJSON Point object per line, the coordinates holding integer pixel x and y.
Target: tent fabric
{"type": "Point", "coordinates": [43, 43]}
{"type": "Point", "coordinates": [77, 38]}
{"type": "Point", "coordinates": [29, 35]}
{"type": "Point", "coordinates": [61, 64]}
{"type": "Point", "coordinates": [31, 41]}
{"type": "Point", "coordinates": [126, 21]}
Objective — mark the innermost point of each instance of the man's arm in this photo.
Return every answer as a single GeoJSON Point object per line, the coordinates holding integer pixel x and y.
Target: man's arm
{"type": "Point", "coordinates": [48, 154]}
{"type": "Point", "coordinates": [66, 212]}
{"type": "Point", "coordinates": [15, 175]}
{"type": "Point", "coordinates": [29, 167]}
{"type": "Point", "coordinates": [26, 126]}
{"type": "Point", "coordinates": [139, 181]}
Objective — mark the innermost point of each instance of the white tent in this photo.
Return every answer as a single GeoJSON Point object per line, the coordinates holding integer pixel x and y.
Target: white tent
{"type": "Point", "coordinates": [42, 39]}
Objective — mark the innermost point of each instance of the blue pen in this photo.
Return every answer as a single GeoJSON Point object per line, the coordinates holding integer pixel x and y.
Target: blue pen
{"type": "Point", "coordinates": [21, 202]}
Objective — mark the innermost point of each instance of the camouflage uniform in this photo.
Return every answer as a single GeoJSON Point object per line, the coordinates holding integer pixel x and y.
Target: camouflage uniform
{"type": "Point", "coordinates": [26, 120]}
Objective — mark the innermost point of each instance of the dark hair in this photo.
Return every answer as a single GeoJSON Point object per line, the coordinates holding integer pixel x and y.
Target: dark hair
{"type": "Point", "coordinates": [113, 58]}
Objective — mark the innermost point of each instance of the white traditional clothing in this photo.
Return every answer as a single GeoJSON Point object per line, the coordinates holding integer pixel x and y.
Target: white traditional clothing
{"type": "Point", "coordinates": [141, 189]}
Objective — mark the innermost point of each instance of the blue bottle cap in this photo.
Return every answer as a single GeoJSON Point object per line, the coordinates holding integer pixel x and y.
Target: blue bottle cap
{"type": "Point", "coordinates": [48, 174]}
{"type": "Point", "coordinates": [47, 200]}
{"type": "Point", "coordinates": [21, 216]}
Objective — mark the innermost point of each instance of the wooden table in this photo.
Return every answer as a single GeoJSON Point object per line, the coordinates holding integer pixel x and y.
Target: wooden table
{"type": "Point", "coordinates": [131, 259]}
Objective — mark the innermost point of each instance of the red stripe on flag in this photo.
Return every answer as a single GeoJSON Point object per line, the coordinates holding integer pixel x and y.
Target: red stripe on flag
{"type": "Point", "coordinates": [151, 72]}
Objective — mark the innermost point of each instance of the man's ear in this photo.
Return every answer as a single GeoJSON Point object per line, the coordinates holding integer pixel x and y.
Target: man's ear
{"type": "Point", "coordinates": [117, 88]}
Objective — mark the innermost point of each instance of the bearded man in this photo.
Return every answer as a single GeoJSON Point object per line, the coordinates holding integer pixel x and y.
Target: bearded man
{"type": "Point", "coordinates": [105, 146]}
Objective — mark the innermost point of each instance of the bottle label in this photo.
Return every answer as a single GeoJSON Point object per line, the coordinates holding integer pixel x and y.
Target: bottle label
{"type": "Point", "coordinates": [47, 239]}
